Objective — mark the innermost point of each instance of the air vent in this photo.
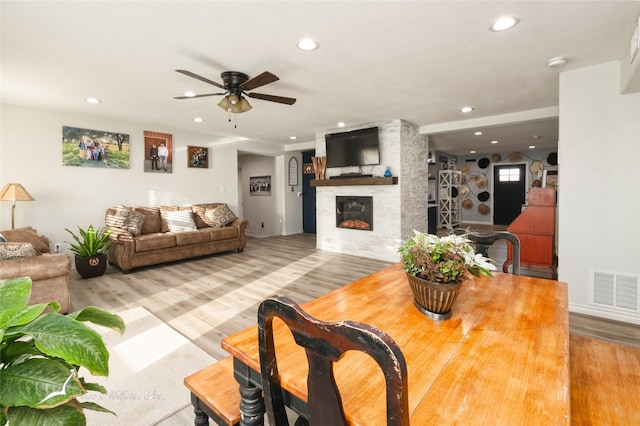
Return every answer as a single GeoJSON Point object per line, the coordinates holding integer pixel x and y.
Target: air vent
{"type": "Point", "coordinates": [615, 290]}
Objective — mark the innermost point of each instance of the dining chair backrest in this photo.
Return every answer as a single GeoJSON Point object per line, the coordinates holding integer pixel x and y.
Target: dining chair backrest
{"type": "Point", "coordinates": [325, 343]}
{"type": "Point", "coordinates": [482, 242]}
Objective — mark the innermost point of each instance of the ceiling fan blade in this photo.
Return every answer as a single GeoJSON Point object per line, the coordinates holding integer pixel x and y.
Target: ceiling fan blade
{"type": "Point", "coordinates": [196, 76]}
{"type": "Point", "coordinates": [272, 98]}
{"type": "Point", "coordinates": [259, 80]}
{"type": "Point", "coordinates": [198, 96]}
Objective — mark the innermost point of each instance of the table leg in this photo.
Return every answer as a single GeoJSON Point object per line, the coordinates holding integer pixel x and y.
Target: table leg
{"type": "Point", "coordinates": [251, 405]}
{"type": "Point", "coordinates": [201, 418]}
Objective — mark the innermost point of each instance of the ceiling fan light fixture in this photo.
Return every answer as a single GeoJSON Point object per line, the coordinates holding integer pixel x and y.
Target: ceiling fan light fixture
{"type": "Point", "coordinates": [224, 103]}
{"type": "Point", "coordinates": [233, 99]}
{"type": "Point", "coordinates": [244, 105]}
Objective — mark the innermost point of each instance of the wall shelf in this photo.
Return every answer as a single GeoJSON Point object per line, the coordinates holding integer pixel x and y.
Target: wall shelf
{"type": "Point", "coordinates": [356, 181]}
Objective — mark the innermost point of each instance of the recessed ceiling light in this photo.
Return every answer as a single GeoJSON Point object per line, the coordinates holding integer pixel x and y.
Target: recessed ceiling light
{"type": "Point", "coordinates": [477, 133]}
{"type": "Point", "coordinates": [466, 109]}
{"type": "Point", "coordinates": [494, 142]}
{"type": "Point", "coordinates": [341, 124]}
{"type": "Point", "coordinates": [293, 138]}
{"type": "Point", "coordinates": [472, 152]}
{"type": "Point", "coordinates": [93, 100]}
{"type": "Point", "coordinates": [189, 94]}
{"type": "Point", "coordinates": [198, 120]}
{"type": "Point", "coordinates": [532, 146]}
{"type": "Point", "coordinates": [504, 23]}
{"type": "Point", "coordinates": [307, 44]}
{"type": "Point", "coordinates": [557, 61]}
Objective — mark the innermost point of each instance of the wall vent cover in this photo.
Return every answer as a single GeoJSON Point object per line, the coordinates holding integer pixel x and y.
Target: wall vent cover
{"type": "Point", "coordinates": [616, 290]}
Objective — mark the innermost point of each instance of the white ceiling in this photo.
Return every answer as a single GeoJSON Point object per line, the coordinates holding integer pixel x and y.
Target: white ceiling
{"type": "Point", "coordinates": [378, 60]}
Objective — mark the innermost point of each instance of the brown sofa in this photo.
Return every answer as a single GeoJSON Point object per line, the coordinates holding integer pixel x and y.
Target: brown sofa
{"type": "Point", "coordinates": [27, 254]}
{"type": "Point", "coordinates": [144, 236]}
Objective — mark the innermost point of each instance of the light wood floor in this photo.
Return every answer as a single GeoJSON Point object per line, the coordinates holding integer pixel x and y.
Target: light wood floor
{"type": "Point", "coordinates": [208, 298]}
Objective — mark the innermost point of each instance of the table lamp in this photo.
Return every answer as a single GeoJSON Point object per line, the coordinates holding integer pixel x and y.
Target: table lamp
{"type": "Point", "coordinates": [14, 192]}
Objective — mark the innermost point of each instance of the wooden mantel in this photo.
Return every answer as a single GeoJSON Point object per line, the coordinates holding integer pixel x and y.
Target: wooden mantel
{"type": "Point", "coordinates": [356, 181]}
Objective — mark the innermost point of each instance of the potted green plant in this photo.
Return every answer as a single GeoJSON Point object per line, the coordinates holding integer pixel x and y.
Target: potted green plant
{"type": "Point", "coordinates": [90, 253]}
{"type": "Point", "coordinates": [436, 268]}
{"type": "Point", "coordinates": [41, 352]}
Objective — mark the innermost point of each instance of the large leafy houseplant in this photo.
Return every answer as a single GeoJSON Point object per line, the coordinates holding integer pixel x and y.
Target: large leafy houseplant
{"type": "Point", "coordinates": [95, 242]}
{"type": "Point", "coordinates": [41, 352]}
{"type": "Point", "coordinates": [443, 260]}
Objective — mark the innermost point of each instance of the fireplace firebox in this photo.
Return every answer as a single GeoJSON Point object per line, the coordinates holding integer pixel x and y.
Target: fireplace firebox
{"type": "Point", "coordinates": [354, 213]}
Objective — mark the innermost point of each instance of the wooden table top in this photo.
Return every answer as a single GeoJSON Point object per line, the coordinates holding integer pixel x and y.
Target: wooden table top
{"type": "Point", "coordinates": [502, 358]}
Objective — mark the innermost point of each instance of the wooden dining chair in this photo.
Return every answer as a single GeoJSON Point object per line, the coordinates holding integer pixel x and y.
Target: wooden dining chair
{"type": "Point", "coordinates": [482, 242]}
{"type": "Point", "coordinates": [325, 343]}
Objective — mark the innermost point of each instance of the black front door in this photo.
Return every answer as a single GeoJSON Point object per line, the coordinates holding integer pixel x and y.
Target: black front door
{"type": "Point", "coordinates": [508, 192]}
{"type": "Point", "coordinates": [308, 197]}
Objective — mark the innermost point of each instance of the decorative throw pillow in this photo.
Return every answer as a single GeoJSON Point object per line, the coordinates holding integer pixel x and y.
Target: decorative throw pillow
{"type": "Point", "coordinates": [2, 240]}
{"type": "Point", "coordinates": [17, 250]}
{"type": "Point", "coordinates": [219, 217]}
{"type": "Point", "coordinates": [127, 219]}
{"type": "Point", "coordinates": [180, 221]}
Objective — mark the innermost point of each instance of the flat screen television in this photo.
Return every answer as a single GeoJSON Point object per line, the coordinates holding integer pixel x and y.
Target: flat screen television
{"type": "Point", "coordinates": [355, 148]}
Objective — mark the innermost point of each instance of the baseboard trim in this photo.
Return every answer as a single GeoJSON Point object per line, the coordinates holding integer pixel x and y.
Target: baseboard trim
{"type": "Point", "coordinates": [601, 312]}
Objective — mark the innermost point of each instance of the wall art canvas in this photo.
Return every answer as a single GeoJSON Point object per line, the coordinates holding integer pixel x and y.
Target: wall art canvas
{"type": "Point", "coordinates": [94, 148]}
{"type": "Point", "coordinates": [198, 156]}
{"type": "Point", "coordinates": [158, 148]}
{"type": "Point", "coordinates": [260, 185]}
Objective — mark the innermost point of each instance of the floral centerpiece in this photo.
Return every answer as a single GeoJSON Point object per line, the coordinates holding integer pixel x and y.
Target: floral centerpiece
{"type": "Point", "coordinates": [437, 266]}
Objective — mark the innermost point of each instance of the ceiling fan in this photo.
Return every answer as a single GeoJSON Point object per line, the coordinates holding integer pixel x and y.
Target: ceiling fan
{"type": "Point", "coordinates": [237, 87]}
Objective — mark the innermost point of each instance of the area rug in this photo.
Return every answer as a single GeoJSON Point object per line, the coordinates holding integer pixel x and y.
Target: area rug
{"type": "Point", "coordinates": [147, 366]}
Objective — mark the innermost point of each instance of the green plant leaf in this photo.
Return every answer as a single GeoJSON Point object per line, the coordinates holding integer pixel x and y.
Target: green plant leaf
{"type": "Point", "coordinates": [14, 295]}
{"type": "Point", "coordinates": [100, 317]}
{"type": "Point", "coordinates": [65, 415]}
{"type": "Point", "coordinates": [95, 407]}
{"type": "Point", "coordinates": [38, 383]}
{"type": "Point", "coordinates": [64, 337]}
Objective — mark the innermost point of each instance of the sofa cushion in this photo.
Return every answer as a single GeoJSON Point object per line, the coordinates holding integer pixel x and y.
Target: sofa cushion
{"type": "Point", "coordinates": [219, 234]}
{"type": "Point", "coordinates": [181, 221]}
{"type": "Point", "coordinates": [127, 219]}
{"type": "Point", "coordinates": [219, 217]}
{"type": "Point", "coordinates": [152, 222]}
{"type": "Point", "coordinates": [27, 235]}
{"type": "Point", "coordinates": [191, 237]}
{"type": "Point", "coordinates": [157, 241]}
{"type": "Point", "coordinates": [17, 250]}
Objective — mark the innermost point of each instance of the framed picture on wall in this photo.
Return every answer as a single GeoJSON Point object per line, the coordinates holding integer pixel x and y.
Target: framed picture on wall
{"type": "Point", "coordinates": [198, 157]}
{"type": "Point", "coordinates": [260, 185]}
{"type": "Point", "coordinates": [94, 148]}
{"type": "Point", "coordinates": [157, 152]}
{"type": "Point", "coordinates": [293, 171]}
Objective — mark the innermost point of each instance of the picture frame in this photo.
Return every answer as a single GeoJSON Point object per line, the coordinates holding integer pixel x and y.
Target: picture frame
{"type": "Point", "coordinates": [155, 145]}
{"type": "Point", "coordinates": [94, 148]}
{"type": "Point", "coordinates": [198, 157]}
{"type": "Point", "coordinates": [260, 185]}
{"type": "Point", "coordinates": [293, 171]}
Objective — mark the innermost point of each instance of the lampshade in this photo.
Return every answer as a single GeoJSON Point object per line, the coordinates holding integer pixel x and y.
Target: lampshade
{"type": "Point", "coordinates": [244, 105]}
{"type": "Point", "coordinates": [224, 103]}
{"type": "Point", "coordinates": [14, 192]}
{"type": "Point", "coordinates": [233, 99]}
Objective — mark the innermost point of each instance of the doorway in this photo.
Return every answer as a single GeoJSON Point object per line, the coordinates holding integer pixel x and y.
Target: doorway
{"type": "Point", "coordinates": [508, 193]}
{"type": "Point", "coordinates": [308, 196]}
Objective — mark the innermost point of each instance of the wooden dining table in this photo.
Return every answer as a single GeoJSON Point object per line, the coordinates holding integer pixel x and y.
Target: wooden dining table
{"type": "Point", "coordinates": [501, 359]}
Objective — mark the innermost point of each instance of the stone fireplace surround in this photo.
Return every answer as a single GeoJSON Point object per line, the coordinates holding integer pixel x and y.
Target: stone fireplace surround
{"type": "Point", "coordinates": [397, 208]}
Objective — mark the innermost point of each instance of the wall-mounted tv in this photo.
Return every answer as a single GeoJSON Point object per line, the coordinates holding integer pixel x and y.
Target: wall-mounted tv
{"type": "Point", "coordinates": [355, 148]}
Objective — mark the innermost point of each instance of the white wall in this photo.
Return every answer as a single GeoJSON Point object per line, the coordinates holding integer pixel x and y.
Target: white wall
{"type": "Point", "coordinates": [599, 196]}
{"type": "Point", "coordinates": [31, 154]}
{"type": "Point", "coordinates": [292, 197]}
{"type": "Point", "coordinates": [264, 212]}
